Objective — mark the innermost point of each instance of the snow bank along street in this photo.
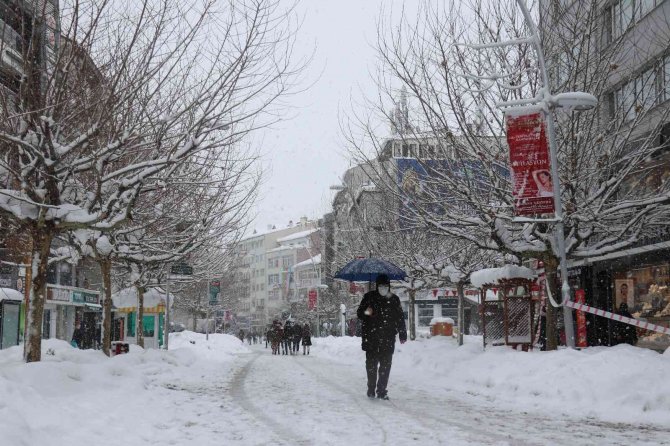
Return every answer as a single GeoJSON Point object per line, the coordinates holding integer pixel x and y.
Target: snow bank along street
{"type": "Point", "coordinates": [222, 392]}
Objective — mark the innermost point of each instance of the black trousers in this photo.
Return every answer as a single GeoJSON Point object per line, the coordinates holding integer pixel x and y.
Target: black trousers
{"type": "Point", "coordinates": [378, 363]}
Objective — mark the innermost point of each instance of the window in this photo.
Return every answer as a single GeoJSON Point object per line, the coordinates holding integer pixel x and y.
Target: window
{"type": "Point", "coordinates": [273, 279]}
{"type": "Point", "coordinates": [46, 324]}
{"type": "Point", "coordinates": [625, 13]}
{"type": "Point", "coordinates": [130, 329]}
{"type": "Point", "coordinates": [148, 326]}
{"type": "Point", "coordinates": [405, 150]}
{"type": "Point", "coordinates": [426, 313]}
{"type": "Point", "coordinates": [413, 151]}
{"type": "Point", "coordinates": [645, 88]}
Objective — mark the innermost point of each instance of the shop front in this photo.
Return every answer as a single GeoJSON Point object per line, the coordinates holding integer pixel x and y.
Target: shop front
{"type": "Point", "coordinates": [153, 320]}
{"type": "Point", "coordinates": [641, 281]}
{"type": "Point", "coordinates": [10, 317]}
{"type": "Point", "coordinates": [68, 306]}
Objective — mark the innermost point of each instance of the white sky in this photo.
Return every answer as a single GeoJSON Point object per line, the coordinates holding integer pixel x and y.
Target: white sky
{"type": "Point", "coordinates": [305, 155]}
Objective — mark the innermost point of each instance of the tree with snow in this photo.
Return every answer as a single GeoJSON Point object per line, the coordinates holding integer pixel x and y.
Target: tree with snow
{"type": "Point", "coordinates": [123, 102]}
{"type": "Point", "coordinates": [611, 168]}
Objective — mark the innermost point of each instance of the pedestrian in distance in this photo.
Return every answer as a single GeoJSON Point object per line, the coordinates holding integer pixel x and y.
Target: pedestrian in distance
{"type": "Point", "coordinates": [306, 339]}
{"type": "Point", "coordinates": [77, 336]}
{"type": "Point", "coordinates": [297, 336]}
{"type": "Point", "coordinates": [241, 335]}
{"type": "Point", "coordinates": [382, 319]}
{"type": "Point", "coordinates": [286, 339]}
{"type": "Point", "coordinates": [268, 337]}
{"type": "Point", "coordinates": [624, 333]}
{"type": "Point", "coordinates": [277, 336]}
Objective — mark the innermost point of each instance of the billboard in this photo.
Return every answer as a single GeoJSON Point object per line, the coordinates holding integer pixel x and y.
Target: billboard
{"type": "Point", "coordinates": [532, 187]}
{"type": "Point", "coordinates": [428, 181]}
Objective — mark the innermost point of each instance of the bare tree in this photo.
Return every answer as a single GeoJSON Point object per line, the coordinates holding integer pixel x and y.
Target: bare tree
{"type": "Point", "coordinates": [121, 101]}
{"type": "Point", "coordinates": [453, 67]}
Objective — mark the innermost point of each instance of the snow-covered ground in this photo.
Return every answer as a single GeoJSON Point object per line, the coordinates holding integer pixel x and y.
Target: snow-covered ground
{"type": "Point", "coordinates": [222, 392]}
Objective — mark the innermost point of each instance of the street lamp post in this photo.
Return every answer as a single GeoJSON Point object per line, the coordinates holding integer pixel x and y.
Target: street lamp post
{"type": "Point", "coordinates": [577, 101]}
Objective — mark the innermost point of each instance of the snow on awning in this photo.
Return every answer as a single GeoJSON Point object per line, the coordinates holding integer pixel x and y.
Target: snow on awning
{"type": "Point", "coordinates": [10, 294]}
{"type": "Point", "coordinates": [493, 276]}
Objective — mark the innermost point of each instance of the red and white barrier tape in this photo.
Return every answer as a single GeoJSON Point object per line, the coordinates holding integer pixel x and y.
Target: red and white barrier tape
{"type": "Point", "coordinates": [617, 317]}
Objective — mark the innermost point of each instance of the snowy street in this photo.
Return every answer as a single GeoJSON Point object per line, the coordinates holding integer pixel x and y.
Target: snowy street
{"type": "Point", "coordinates": [310, 400]}
{"type": "Point", "coordinates": [206, 392]}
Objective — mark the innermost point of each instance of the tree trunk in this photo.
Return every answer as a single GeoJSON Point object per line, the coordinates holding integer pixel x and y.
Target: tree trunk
{"type": "Point", "coordinates": [410, 314]}
{"type": "Point", "coordinates": [41, 239]}
{"type": "Point", "coordinates": [195, 322]}
{"type": "Point", "coordinates": [550, 269]}
{"type": "Point", "coordinates": [140, 316]}
{"type": "Point", "coordinates": [461, 312]}
{"type": "Point", "coordinates": [106, 271]}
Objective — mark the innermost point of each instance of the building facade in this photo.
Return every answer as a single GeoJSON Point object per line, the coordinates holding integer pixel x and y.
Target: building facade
{"type": "Point", "coordinates": [632, 38]}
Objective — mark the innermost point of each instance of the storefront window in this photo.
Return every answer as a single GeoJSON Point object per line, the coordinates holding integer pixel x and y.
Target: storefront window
{"type": "Point", "coordinates": [426, 314]}
{"type": "Point", "coordinates": [131, 325]}
{"type": "Point", "coordinates": [646, 291]}
{"type": "Point", "coordinates": [148, 326]}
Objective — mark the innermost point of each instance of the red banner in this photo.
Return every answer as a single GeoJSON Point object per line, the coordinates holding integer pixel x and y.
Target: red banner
{"type": "Point", "coordinates": [311, 299]}
{"type": "Point", "coordinates": [580, 298]}
{"type": "Point", "coordinates": [529, 159]}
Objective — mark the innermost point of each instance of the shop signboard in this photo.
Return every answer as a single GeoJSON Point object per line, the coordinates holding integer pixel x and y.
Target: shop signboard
{"type": "Point", "coordinates": [311, 299]}
{"type": "Point", "coordinates": [58, 294]}
{"type": "Point", "coordinates": [182, 269]}
{"type": "Point", "coordinates": [530, 163]}
{"type": "Point", "coordinates": [580, 298]}
{"type": "Point", "coordinates": [214, 290]}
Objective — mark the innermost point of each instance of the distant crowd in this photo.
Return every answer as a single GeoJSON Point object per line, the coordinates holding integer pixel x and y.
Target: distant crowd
{"type": "Point", "coordinates": [283, 339]}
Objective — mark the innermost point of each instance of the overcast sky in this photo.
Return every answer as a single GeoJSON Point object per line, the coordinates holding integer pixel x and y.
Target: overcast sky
{"type": "Point", "coordinates": [305, 155]}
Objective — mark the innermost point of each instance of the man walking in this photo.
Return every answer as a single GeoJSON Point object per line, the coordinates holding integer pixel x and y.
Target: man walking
{"type": "Point", "coordinates": [382, 318]}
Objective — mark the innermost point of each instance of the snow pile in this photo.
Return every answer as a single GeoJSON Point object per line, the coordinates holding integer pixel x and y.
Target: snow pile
{"type": "Point", "coordinates": [618, 384]}
{"type": "Point", "coordinates": [127, 297]}
{"type": "Point", "coordinates": [73, 395]}
{"type": "Point", "coordinates": [442, 320]}
{"type": "Point", "coordinates": [493, 276]}
{"type": "Point", "coordinates": [218, 347]}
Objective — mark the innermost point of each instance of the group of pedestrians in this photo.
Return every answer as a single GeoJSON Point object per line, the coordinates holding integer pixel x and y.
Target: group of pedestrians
{"type": "Point", "coordinates": [286, 339]}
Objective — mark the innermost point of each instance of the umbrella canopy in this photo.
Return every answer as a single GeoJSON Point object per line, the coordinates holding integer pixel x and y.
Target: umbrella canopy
{"type": "Point", "coordinates": [367, 270]}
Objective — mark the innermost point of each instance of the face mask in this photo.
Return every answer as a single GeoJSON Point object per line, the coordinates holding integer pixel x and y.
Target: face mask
{"type": "Point", "coordinates": [383, 290]}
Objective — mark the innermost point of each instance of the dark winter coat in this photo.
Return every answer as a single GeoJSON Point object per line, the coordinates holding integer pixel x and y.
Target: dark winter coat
{"type": "Point", "coordinates": [379, 330]}
{"type": "Point", "coordinates": [297, 333]}
{"type": "Point", "coordinates": [288, 331]}
{"type": "Point", "coordinates": [306, 337]}
{"type": "Point", "coordinates": [624, 333]}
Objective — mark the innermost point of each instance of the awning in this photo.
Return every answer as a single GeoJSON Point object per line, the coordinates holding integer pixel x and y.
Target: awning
{"type": "Point", "coordinates": [93, 307]}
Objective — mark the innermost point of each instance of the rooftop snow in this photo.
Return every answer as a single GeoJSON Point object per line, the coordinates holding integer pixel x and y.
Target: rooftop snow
{"type": "Point", "coordinates": [316, 260]}
{"type": "Point", "coordinates": [297, 235]}
{"type": "Point", "coordinates": [493, 276]}
{"type": "Point", "coordinates": [127, 297]}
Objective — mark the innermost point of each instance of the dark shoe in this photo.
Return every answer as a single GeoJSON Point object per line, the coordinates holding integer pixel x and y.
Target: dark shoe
{"type": "Point", "coordinates": [371, 395]}
{"type": "Point", "coordinates": [384, 397]}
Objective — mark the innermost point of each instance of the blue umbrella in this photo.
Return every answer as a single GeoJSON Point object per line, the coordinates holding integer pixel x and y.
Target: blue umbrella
{"type": "Point", "coordinates": [367, 270]}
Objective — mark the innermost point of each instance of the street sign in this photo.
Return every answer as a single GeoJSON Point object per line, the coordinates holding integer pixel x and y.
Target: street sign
{"type": "Point", "coordinates": [182, 269]}
{"type": "Point", "coordinates": [214, 291]}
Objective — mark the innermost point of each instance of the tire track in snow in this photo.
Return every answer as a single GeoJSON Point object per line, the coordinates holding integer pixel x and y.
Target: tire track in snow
{"type": "Point", "coordinates": [240, 396]}
{"type": "Point", "coordinates": [419, 418]}
{"type": "Point", "coordinates": [354, 397]}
